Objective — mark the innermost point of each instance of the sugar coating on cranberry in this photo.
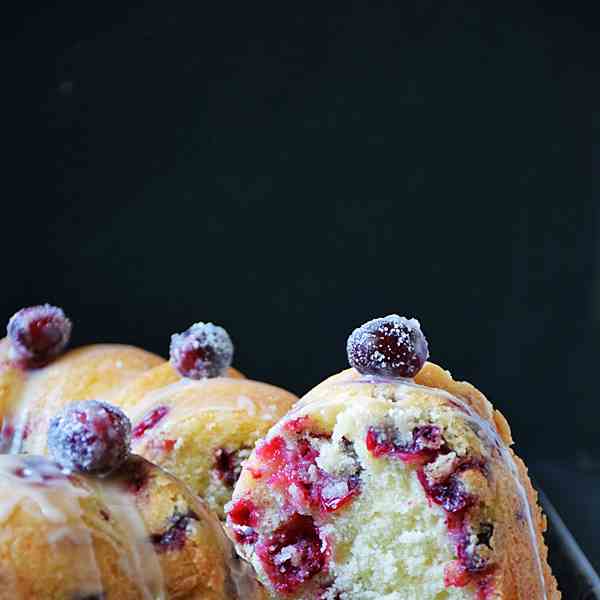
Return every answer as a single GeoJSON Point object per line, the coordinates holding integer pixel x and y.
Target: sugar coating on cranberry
{"type": "Point", "coordinates": [203, 351]}
{"type": "Point", "coordinates": [391, 346]}
{"type": "Point", "coordinates": [37, 334]}
{"type": "Point", "coordinates": [90, 437]}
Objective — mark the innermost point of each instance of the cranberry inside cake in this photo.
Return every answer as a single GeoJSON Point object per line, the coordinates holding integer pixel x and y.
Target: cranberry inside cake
{"type": "Point", "coordinates": [377, 490]}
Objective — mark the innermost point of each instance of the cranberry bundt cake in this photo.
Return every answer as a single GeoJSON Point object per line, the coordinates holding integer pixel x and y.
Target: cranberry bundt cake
{"type": "Point", "coordinates": [391, 481]}
{"type": "Point", "coordinates": [195, 415]}
{"type": "Point", "coordinates": [99, 523]}
{"type": "Point", "coordinates": [201, 430]}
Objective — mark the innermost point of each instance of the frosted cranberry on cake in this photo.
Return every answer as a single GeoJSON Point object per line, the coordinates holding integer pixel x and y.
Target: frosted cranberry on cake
{"type": "Point", "coordinates": [391, 480]}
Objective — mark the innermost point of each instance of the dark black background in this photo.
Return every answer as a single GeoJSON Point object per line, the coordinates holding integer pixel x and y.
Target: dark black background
{"type": "Point", "coordinates": [290, 170]}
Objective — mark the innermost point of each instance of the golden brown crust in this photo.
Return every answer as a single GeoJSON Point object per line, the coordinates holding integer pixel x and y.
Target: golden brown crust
{"type": "Point", "coordinates": [90, 372]}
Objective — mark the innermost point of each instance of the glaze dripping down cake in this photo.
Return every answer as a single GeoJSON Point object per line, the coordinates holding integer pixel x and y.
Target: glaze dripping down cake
{"type": "Point", "coordinates": [137, 534]}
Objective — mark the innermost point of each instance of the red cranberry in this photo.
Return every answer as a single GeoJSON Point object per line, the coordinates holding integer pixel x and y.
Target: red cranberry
{"type": "Point", "coordinates": [37, 334]}
{"type": "Point", "coordinates": [305, 424]}
{"type": "Point", "coordinates": [150, 421]}
{"type": "Point", "coordinates": [90, 437]}
{"type": "Point", "coordinates": [455, 575]}
{"type": "Point", "coordinates": [426, 443]}
{"type": "Point", "coordinates": [292, 469]}
{"type": "Point", "coordinates": [168, 445]}
{"type": "Point", "coordinates": [175, 536]}
{"type": "Point", "coordinates": [450, 494]}
{"type": "Point", "coordinates": [228, 466]}
{"type": "Point", "coordinates": [203, 351]}
{"type": "Point", "coordinates": [293, 554]}
{"type": "Point", "coordinates": [242, 519]}
{"type": "Point", "coordinates": [391, 346]}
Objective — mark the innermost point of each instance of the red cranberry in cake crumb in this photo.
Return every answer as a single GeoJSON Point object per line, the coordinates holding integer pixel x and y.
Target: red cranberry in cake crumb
{"type": "Point", "coordinates": [168, 445]}
{"type": "Point", "coordinates": [203, 351]}
{"type": "Point", "coordinates": [291, 467]}
{"type": "Point", "coordinates": [37, 334]}
{"type": "Point", "coordinates": [228, 465]}
{"type": "Point", "coordinates": [450, 495]}
{"type": "Point", "coordinates": [90, 437]}
{"type": "Point", "coordinates": [306, 425]}
{"type": "Point", "coordinates": [425, 445]}
{"type": "Point", "coordinates": [175, 536]}
{"type": "Point", "coordinates": [150, 421]}
{"type": "Point", "coordinates": [391, 346]}
{"type": "Point", "coordinates": [293, 554]}
{"type": "Point", "coordinates": [243, 518]}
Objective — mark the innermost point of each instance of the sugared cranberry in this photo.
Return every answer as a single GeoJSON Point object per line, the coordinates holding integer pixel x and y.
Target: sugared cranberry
{"type": "Point", "coordinates": [391, 346]}
{"type": "Point", "coordinates": [90, 437]}
{"type": "Point", "coordinates": [37, 334]}
{"type": "Point", "coordinates": [293, 554]}
{"type": "Point", "coordinates": [176, 534]}
{"type": "Point", "coordinates": [150, 421]}
{"type": "Point", "coordinates": [242, 518]}
{"type": "Point", "coordinates": [203, 351]}
{"type": "Point", "coordinates": [426, 443]}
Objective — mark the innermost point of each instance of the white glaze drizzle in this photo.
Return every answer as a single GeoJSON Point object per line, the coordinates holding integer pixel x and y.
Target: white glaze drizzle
{"type": "Point", "coordinates": [172, 396]}
{"type": "Point", "coordinates": [139, 560]}
{"type": "Point", "coordinates": [45, 492]}
{"type": "Point", "coordinates": [41, 488]}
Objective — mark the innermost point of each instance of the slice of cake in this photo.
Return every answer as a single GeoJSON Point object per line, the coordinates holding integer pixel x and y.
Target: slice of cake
{"type": "Point", "coordinates": [391, 481]}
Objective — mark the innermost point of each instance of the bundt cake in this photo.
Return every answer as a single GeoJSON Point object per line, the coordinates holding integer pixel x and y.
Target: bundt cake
{"type": "Point", "coordinates": [194, 415]}
{"type": "Point", "coordinates": [391, 481]}
{"type": "Point", "coordinates": [97, 522]}
{"type": "Point", "coordinates": [201, 430]}
{"type": "Point", "coordinates": [136, 534]}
